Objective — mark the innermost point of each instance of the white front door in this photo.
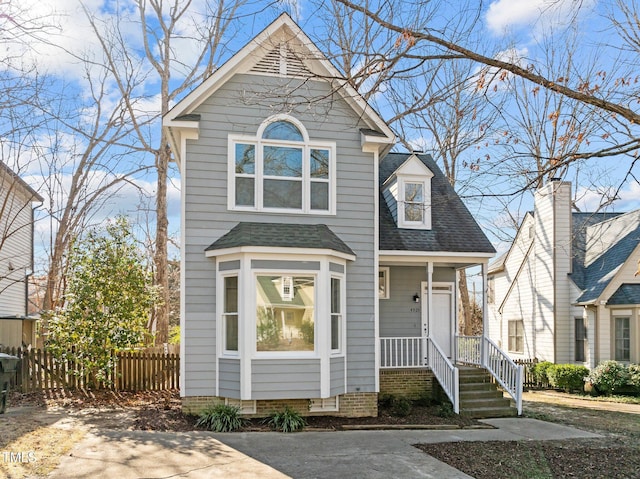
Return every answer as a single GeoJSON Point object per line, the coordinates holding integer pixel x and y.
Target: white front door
{"type": "Point", "coordinates": [440, 323]}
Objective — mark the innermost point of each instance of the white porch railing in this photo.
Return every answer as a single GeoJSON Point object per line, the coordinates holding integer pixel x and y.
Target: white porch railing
{"type": "Point", "coordinates": [446, 373]}
{"type": "Point", "coordinates": [469, 350]}
{"type": "Point", "coordinates": [409, 352]}
{"type": "Point", "coordinates": [483, 352]}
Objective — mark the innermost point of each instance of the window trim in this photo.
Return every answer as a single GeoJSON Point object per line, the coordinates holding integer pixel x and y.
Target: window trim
{"type": "Point", "coordinates": [425, 181]}
{"type": "Point", "coordinates": [515, 336]}
{"type": "Point", "coordinates": [615, 337]}
{"type": "Point", "coordinates": [387, 293]}
{"type": "Point", "coordinates": [252, 320]}
{"type": "Point", "coordinates": [259, 177]}
{"type": "Point", "coordinates": [228, 353]}
{"type": "Point", "coordinates": [579, 353]}
{"type": "Point", "coordinates": [342, 314]}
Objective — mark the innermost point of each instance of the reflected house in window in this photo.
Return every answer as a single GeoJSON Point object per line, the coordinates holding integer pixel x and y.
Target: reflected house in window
{"type": "Point", "coordinates": [569, 280]}
{"type": "Point", "coordinates": [306, 240]}
{"type": "Point", "coordinates": [285, 312]}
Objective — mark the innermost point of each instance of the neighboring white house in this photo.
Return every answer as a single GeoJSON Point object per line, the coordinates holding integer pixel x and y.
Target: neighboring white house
{"type": "Point", "coordinates": [16, 258]}
{"type": "Point", "coordinates": [567, 291]}
{"type": "Point", "coordinates": [318, 269]}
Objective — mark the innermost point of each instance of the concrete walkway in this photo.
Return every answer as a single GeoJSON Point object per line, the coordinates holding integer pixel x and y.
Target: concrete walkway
{"type": "Point", "coordinates": [326, 455]}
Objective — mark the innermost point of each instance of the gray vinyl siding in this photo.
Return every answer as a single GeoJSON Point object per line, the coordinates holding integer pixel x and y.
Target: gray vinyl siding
{"type": "Point", "coordinates": [337, 376]}
{"type": "Point", "coordinates": [239, 107]}
{"type": "Point", "coordinates": [229, 378]}
{"type": "Point", "coordinates": [396, 316]}
{"type": "Point", "coordinates": [285, 379]}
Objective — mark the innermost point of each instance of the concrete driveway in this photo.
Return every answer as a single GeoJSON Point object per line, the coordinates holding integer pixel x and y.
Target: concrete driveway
{"type": "Point", "coordinates": [326, 455]}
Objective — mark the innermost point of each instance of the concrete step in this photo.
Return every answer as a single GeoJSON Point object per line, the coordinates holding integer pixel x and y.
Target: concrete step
{"type": "Point", "coordinates": [481, 394]}
{"type": "Point", "coordinates": [477, 387]}
{"type": "Point", "coordinates": [475, 403]}
{"type": "Point", "coordinates": [487, 412]}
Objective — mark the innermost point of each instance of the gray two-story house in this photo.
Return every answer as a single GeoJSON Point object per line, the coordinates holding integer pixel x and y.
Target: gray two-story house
{"type": "Point", "coordinates": [318, 269]}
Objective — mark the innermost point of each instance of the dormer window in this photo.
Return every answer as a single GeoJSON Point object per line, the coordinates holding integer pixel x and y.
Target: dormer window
{"type": "Point", "coordinates": [281, 170]}
{"type": "Point", "coordinates": [408, 194]}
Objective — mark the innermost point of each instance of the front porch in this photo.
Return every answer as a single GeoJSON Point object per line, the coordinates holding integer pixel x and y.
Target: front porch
{"type": "Point", "coordinates": [469, 377]}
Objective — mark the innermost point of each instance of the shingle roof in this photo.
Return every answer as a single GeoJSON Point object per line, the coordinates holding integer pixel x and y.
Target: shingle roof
{"type": "Point", "coordinates": [626, 294]}
{"type": "Point", "coordinates": [580, 223]}
{"type": "Point", "coordinates": [598, 274]}
{"type": "Point", "coordinates": [453, 229]}
{"type": "Point", "coordinates": [281, 235]}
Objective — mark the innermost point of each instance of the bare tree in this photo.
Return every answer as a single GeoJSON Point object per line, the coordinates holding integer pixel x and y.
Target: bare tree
{"type": "Point", "coordinates": [428, 41]}
{"type": "Point", "coordinates": [163, 28]}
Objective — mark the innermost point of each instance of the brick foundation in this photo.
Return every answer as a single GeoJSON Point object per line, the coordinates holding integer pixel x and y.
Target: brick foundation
{"type": "Point", "coordinates": [351, 405]}
{"type": "Point", "coordinates": [410, 383]}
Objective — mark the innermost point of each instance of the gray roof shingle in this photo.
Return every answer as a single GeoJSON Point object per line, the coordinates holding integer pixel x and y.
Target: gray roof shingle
{"type": "Point", "coordinates": [453, 229]}
{"type": "Point", "coordinates": [626, 294]}
{"type": "Point", "coordinates": [281, 235]}
{"type": "Point", "coordinates": [595, 276]}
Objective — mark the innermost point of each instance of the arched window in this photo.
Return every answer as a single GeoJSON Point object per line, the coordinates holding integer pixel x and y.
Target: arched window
{"type": "Point", "coordinates": [282, 130]}
{"type": "Point", "coordinates": [281, 169]}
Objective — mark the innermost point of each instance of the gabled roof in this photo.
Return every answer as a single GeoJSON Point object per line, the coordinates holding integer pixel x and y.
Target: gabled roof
{"type": "Point", "coordinates": [625, 294]}
{"type": "Point", "coordinates": [453, 229]}
{"type": "Point", "coordinates": [281, 235]}
{"type": "Point", "coordinates": [612, 252]}
{"type": "Point", "coordinates": [580, 222]}
{"type": "Point", "coordinates": [8, 173]}
{"type": "Point", "coordinates": [260, 55]}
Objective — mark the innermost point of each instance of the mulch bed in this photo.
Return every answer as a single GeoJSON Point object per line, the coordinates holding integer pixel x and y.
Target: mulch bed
{"type": "Point", "coordinates": [593, 459]}
{"type": "Point", "coordinates": [161, 411]}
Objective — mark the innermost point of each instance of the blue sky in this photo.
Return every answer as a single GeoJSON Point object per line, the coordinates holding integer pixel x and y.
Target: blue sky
{"type": "Point", "coordinates": [517, 24]}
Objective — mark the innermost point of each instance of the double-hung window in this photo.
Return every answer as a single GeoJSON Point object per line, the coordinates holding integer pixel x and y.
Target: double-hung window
{"type": "Point", "coordinates": [230, 308]}
{"type": "Point", "coordinates": [516, 336]}
{"type": "Point", "coordinates": [281, 170]}
{"type": "Point", "coordinates": [336, 314]}
{"type": "Point", "coordinates": [622, 338]}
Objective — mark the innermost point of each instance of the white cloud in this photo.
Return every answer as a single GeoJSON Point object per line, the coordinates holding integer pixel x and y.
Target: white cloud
{"type": "Point", "coordinates": [627, 199]}
{"type": "Point", "coordinates": [503, 16]}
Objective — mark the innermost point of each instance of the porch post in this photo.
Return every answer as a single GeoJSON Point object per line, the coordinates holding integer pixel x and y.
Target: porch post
{"type": "Point", "coordinates": [429, 293]}
{"type": "Point", "coordinates": [484, 314]}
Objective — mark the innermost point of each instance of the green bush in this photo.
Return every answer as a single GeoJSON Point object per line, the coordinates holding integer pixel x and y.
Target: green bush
{"type": "Point", "coordinates": [609, 376]}
{"type": "Point", "coordinates": [569, 377]}
{"type": "Point", "coordinates": [540, 372]}
{"type": "Point", "coordinates": [634, 376]}
{"type": "Point", "coordinates": [446, 410]}
{"type": "Point", "coordinates": [287, 420]}
{"type": "Point", "coordinates": [386, 400]}
{"type": "Point", "coordinates": [401, 407]}
{"type": "Point", "coordinates": [221, 418]}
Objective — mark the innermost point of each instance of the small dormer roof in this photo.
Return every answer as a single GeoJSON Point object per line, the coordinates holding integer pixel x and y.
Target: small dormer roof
{"type": "Point", "coordinates": [413, 166]}
{"type": "Point", "coordinates": [453, 228]}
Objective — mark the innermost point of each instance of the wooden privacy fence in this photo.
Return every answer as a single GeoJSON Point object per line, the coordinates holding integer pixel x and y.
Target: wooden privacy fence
{"type": "Point", "coordinates": [529, 380]}
{"type": "Point", "coordinates": [134, 371]}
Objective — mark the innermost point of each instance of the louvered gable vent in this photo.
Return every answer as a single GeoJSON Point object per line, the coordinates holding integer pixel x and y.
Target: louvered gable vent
{"type": "Point", "coordinates": [281, 60]}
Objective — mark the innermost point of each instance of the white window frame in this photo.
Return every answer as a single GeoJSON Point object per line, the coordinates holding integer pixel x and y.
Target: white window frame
{"type": "Point", "coordinates": [515, 348]}
{"type": "Point", "coordinates": [259, 143]}
{"type": "Point", "coordinates": [223, 323]}
{"type": "Point", "coordinates": [387, 293]}
{"type": "Point", "coordinates": [615, 337]}
{"type": "Point", "coordinates": [252, 320]}
{"type": "Point", "coordinates": [343, 325]}
{"type": "Point", "coordinates": [426, 193]}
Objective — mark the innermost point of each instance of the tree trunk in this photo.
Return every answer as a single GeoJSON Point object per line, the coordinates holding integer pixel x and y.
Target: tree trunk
{"type": "Point", "coordinates": [161, 312]}
{"type": "Point", "coordinates": [465, 302]}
